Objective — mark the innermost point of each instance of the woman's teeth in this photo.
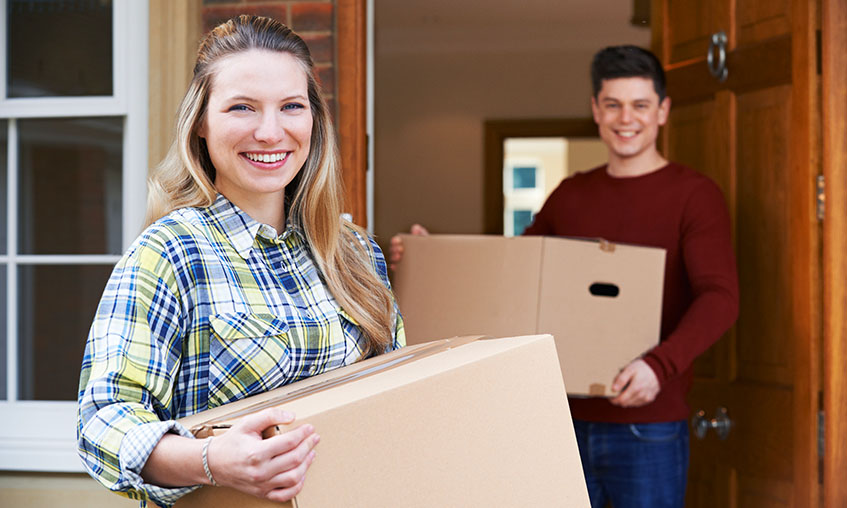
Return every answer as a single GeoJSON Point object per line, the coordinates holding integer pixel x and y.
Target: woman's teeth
{"type": "Point", "coordinates": [265, 157]}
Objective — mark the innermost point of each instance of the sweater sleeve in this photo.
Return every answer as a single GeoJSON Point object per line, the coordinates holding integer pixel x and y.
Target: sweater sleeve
{"type": "Point", "coordinates": [706, 248]}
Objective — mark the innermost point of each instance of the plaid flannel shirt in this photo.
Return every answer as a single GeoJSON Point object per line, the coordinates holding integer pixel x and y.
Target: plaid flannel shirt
{"type": "Point", "coordinates": [206, 307]}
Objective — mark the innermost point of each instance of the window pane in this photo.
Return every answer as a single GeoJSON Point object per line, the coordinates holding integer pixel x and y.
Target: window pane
{"type": "Point", "coordinates": [521, 219]}
{"type": "Point", "coordinates": [70, 186]}
{"type": "Point", "coordinates": [4, 157]}
{"type": "Point", "coordinates": [59, 48]}
{"type": "Point", "coordinates": [4, 154]}
{"type": "Point", "coordinates": [56, 306]}
{"type": "Point", "coordinates": [3, 372]}
{"type": "Point", "coordinates": [523, 177]}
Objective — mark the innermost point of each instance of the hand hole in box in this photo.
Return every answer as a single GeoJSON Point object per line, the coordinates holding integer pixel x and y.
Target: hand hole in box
{"type": "Point", "coordinates": [604, 289]}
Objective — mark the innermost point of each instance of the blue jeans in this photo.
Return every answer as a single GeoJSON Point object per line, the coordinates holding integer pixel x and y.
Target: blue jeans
{"type": "Point", "coordinates": [639, 465]}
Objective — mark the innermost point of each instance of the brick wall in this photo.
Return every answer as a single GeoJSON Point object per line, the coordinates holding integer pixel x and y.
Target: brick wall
{"type": "Point", "coordinates": [313, 20]}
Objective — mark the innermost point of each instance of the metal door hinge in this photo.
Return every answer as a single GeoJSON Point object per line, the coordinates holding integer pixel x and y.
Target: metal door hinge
{"type": "Point", "coordinates": [821, 443]}
{"type": "Point", "coordinates": [821, 197]}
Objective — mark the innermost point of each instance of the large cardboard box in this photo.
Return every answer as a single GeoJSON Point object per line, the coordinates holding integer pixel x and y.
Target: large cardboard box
{"type": "Point", "coordinates": [602, 302]}
{"type": "Point", "coordinates": [456, 422]}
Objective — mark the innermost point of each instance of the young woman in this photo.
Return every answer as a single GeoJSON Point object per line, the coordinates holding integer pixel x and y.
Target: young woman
{"type": "Point", "coordinates": [245, 279]}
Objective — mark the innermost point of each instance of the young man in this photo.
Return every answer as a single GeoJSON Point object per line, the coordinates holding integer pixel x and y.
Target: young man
{"type": "Point", "coordinates": [634, 446]}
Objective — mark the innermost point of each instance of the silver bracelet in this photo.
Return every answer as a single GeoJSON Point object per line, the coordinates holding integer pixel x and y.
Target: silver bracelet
{"type": "Point", "coordinates": [206, 461]}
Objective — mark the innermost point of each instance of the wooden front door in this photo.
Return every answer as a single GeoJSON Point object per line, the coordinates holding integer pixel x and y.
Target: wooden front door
{"type": "Point", "coordinates": [757, 134]}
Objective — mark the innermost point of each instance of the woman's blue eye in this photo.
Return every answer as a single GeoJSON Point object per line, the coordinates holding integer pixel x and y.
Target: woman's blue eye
{"type": "Point", "coordinates": [238, 107]}
{"type": "Point", "coordinates": [293, 105]}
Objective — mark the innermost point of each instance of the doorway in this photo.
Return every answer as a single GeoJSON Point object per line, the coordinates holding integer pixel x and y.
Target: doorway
{"type": "Point", "coordinates": [533, 168]}
{"type": "Point", "coordinates": [524, 162]}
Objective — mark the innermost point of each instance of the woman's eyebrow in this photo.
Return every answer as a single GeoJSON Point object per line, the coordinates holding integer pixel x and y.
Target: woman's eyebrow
{"type": "Point", "coordinates": [247, 98]}
{"type": "Point", "coordinates": [241, 98]}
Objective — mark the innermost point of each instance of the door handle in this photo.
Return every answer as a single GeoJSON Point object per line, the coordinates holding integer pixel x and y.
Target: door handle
{"type": "Point", "coordinates": [717, 64]}
{"type": "Point", "coordinates": [721, 423]}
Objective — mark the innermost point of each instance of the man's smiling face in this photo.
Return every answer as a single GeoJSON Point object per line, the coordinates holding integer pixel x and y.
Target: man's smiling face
{"type": "Point", "coordinates": [628, 114]}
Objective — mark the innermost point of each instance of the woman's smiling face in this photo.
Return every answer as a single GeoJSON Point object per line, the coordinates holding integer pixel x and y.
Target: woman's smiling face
{"type": "Point", "coordinates": [258, 126]}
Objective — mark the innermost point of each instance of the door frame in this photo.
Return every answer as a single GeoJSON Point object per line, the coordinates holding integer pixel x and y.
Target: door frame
{"type": "Point", "coordinates": [495, 134]}
{"type": "Point", "coordinates": [834, 81]}
{"type": "Point", "coordinates": [351, 46]}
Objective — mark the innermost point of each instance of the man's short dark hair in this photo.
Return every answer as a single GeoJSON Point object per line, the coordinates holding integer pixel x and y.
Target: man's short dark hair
{"type": "Point", "coordinates": [627, 62]}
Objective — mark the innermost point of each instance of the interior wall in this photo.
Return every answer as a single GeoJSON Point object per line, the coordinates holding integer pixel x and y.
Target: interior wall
{"type": "Point", "coordinates": [431, 97]}
{"type": "Point", "coordinates": [586, 153]}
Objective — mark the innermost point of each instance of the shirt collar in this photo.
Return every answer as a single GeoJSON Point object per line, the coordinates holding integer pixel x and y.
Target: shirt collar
{"type": "Point", "coordinates": [240, 229]}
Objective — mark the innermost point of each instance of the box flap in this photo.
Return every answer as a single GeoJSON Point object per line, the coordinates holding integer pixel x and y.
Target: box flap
{"type": "Point", "coordinates": [451, 285]}
{"type": "Point", "coordinates": [204, 423]}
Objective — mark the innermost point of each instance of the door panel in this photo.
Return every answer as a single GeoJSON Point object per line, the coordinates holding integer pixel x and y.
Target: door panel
{"type": "Point", "coordinates": [691, 24]}
{"type": "Point", "coordinates": [764, 325]}
{"type": "Point", "coordinates": [703, 482]}
{"type": "Point", "coordinates": [761, 435]}
{"type": "Point", "coordinates": [757, 493]}
{"type": "Point", "coordinates": [759, 20]}
{"type": "Point", "coordinates": [701, 121]}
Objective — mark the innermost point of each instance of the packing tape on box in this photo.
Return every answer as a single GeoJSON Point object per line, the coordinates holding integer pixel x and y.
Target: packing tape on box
{"type": "Point", "coordinates": [597, 390]}
{"type": "Point", "coordinates": [413, 353]}
{"type": "Point", "coordinates": [606, 246]}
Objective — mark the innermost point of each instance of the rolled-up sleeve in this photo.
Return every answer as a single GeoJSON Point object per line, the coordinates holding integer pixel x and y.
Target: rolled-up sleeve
{"type": "Point", "coordinates": [132, 357]}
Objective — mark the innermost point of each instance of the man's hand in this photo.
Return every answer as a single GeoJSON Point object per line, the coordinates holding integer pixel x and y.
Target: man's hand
{"type": "Point", "coordinates": [395, 253]}
{"type": "Point", "coordinates": [637, 385]}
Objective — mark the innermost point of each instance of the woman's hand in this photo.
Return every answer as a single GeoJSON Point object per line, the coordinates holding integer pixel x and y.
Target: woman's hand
{"type": "Point", "coordinates": [240, 458]}
{"type": "Point", "coordinates": [272, 468]}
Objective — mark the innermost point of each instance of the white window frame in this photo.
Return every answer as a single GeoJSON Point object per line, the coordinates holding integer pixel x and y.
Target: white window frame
{"type": "Point", "coordinates": [41, 435]}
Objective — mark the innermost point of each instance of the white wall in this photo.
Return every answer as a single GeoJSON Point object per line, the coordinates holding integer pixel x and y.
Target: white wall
{"type": "Point", "coordinates": [443, 67]}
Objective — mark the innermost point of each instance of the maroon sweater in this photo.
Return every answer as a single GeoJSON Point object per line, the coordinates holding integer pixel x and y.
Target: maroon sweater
{"type": "Point", "coordinates": [683, 212]}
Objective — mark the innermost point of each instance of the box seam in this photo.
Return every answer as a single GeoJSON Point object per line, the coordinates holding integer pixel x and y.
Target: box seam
{"type": "Point", "coordinates": [538, 286]}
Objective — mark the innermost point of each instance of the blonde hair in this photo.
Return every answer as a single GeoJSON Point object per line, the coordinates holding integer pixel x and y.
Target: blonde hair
{"type": "Point", "coordinates": [185, 177]}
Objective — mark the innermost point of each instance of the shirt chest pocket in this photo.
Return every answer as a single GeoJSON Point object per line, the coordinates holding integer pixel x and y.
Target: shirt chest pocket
{"type": "Point", "coordinates": [248, 354]}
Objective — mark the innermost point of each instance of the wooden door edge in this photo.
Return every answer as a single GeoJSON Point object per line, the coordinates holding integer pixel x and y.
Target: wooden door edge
{"type": "Point", "coordinates": [806, 242]}
{"type": "Point", "coordinates": [834, 80]}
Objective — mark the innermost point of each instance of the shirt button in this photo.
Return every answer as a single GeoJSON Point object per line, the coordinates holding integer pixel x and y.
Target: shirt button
{"type": "Point", "coordinates": [313, 369]}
